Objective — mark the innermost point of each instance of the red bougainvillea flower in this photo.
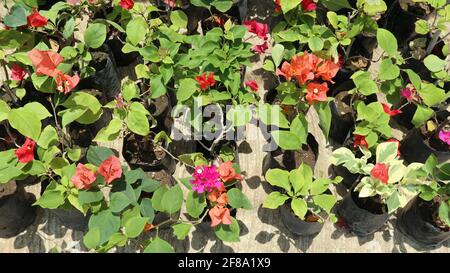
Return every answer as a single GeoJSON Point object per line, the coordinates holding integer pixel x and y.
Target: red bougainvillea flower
{"type": "Point", "coordinates": [219, 215]}
{"type": "Point", "coordinates": [253, 85]}
{"type": "Point", "coordinates": [45, 61]}
{"type": "Point", "coordinates": [206, 178]}
{"type": "Point", "coordinates": [219, 21]}
{"type": "Point", "coordinates": [171, 3]}
{"type": "Point", "coordinates": [380, 172]}
{"type": "Point", "coordinates": [36, 20]}
{"type": "Point", "coordinates": [277, 6]}
{"type": "Point", "coordinates": [110, 169]}
{"type": "Point", "coordinates": [444, 136]}
{"type": "Point", "coordinates": [398, 145]}
{"type": "Point", "coordinates": [360, 141]}
{"type": "Point", "coordinates": [316, 92]}
{"type": "Point", "coordinates": [260, 49]}
{"type": "Point", "coordinates": [17, 72]}
{"type": "Point", "coordinates": [308, 5]}
{"type": "Point", "coordinates": [219, 196]}
{"type": "Point", "coordinates": [25, 153]}
{"type": "Point", "coordinates": [206, 82]}
{"type": "Point", "coordinates": [228, 173]}
{"type": "Point", "coordinates": [327, 70]}
{"type": "Point", "coordinates": [83, 178]}
{"type": "Point", "coordinates": [387, 110]}
{"type": "Point", "coordinates": [126, 4]}
{"type": "Point", "coordinates": [65, 83]}
{"type": "Point", "coordinates": [259, 29]}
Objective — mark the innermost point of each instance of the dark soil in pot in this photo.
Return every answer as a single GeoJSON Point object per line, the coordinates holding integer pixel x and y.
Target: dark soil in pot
{"type": "Point", "coordinates": [418, 220]}
{"type": "Point", "coordinates": [290, 160]}
{"type": "Point", "coordinates": [16, 210]}
{"type": "Point", "coordinates": [106, 78]}
{"type": "Point", "coordinates": [363, 216]}
{"type": "Point", "coordinates": [416, 148]}
{"type": "Point", "coordinates": [69, 217]}
{"type": "Point", "coordinates": [140, 152]}
{"type": "Point", "coordinates": [297, 226]}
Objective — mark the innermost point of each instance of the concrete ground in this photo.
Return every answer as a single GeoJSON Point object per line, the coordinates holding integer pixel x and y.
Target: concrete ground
{"type": "Point", "coordinates": [261, 229]}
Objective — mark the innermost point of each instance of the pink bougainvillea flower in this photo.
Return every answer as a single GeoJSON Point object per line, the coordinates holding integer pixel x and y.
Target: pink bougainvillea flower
{"type": "Point", "coordinates": [260, 49]}
{"type": "Point", "coordinates": [126, 4]}
{"type": "Point", "coordinates": [259, 29]}
{"type": "Point", "coordinates": [36, 20]}
{"type": "Point", "coordinates": [253, 85]}
{"type": "Point", "coordinates": [444, 136]}
{"type": "Point", "coordinates": [110, 169]}
{"type": "Point", "coordinates": [206, 82]}
{"type": "Point", "coordinates": [387, 110]}
{"type": "Point", "coordinates": [308, 5]}
{"type": "Point", "coordinates": [316, 92]}
{"type": "Point", "coordinates": [65, 83]}
{"type": "Point", "coordinates": [45, 61]}
{"type": "Point", "coordinates": [360, 141]}
{"type": "Point", "coordinates": [171, 3]}
{"type": "Point", "coordinates": [327, 70]}
{"type": "Point", "coordinates": [228, 173]}
{"type": "Point", "coordinates": [206, 178]}
{"type": "Point", "coordinates": [380, 172]}
{"type": "Point", "coordinates": [220, 215]}
{"type": "Point", "coordinates": [410, 93]}
{"type": "Point", "coordinates": [17, 72]}
{"type": "Point", "coordinates": [83, 178]}
{"type": "Point", "coordinates": [219, 196]}
{"type": "Point", "coordinates": [25, 153]}
{"type": "Point", "coordinates": [398, 145]}
{"type": "Point", "coordinates": [219, 21]}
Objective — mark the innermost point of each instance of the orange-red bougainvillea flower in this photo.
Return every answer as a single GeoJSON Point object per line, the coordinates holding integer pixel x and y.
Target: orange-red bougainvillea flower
{"type": "Point", "coordinates": [110, 169]}
{"type": "Point", "coordinates": [25, 153]}
{"type": "Point", "coordinates": [316, 92]}
{"type": "Point", "coordinates": [219, 215]}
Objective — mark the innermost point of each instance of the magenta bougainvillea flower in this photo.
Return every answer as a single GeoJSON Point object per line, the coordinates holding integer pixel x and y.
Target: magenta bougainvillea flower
{"type": "Point", "coordinates": [444, 136]}
{"type": "Point", "coordinates": [206, 178]}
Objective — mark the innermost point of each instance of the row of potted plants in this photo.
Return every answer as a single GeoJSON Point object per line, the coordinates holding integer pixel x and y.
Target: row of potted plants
{"type": "Point", "coordinates": [64, 98]}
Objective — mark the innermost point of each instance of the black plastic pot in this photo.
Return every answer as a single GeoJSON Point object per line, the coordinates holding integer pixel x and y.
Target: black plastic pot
{"type": "Point", "coordinates": [161, 109]}
{"type": "Point", "coordinates": [348, 179]}
{"type": "Point", "coordinates": [121, 58]}
{"type": "Point", "coordinates": [360, 220]}
{"type": "Point", "coordinates": [106, 78]}
{"type": "Point", "coordinates": [342, 120]}
{"type": "Point", "coordinates": [414, 148]}
{"type": "Point", "coordinates": [296, 225]}
{"type": "Point", "coordinates": [16, 210]}
{"type": "Point", "coordinates": [415, 221]}
{"type": "Point", "coordinates": [408, 111]}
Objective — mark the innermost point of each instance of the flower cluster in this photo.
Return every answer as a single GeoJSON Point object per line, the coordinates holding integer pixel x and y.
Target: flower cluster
{"type": "Point", "coordinates": [380, 172]}
{"type": "Point", "coordinates": [261, 30]}
{"type": "Point", "coordinates": [110, 170]}
{"type": "Point", "coordinates": [25, 153]}
{"type": "Point", "coordinates": [309, 67]}
{"type": "Point", "coordinates": [46, 63]}
{"type": "Point", "coordinates": [307, 5]}
{"type": "Point", "coordinates": [444, 136]}
{"type": "Point", "coordinates": [206, 82]}
{"type": "Point", "coordinates": [206, 178]}
{"type": "Point", "coordinates": [126, 4]}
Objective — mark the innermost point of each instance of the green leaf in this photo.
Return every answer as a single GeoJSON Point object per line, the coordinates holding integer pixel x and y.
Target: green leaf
{"type": "Point", "coordinates": [129, 90]}
{"type": "Point", "coordinates": [393, 202]}
{"type": "Point", "coordinates": [434, 63]}
{"type": "Point", "coordinates": [239, 115]}
{"type": "Point", "coordinates": [178, 19]}
{"type": "Point", "coordinates": [324, 111]}
{"type": "Point", "coordinates": [386, 152]}
{"type": "Point", "coordinates": [315, 43]}
{"type": "Point", "coordinates": [387, 41]}
{"type": "Point", "coordinates": [136, 30]}
{"type": "Point", "coordinates": [158, 245]}
{"type": "Point", "coordinates": [51, 199]}
{"type": "Point", "coordinates": [95, 35]}
{"type": "Point", "coordinates": [187, 88]}
{"type": "Point", "coordinates": [92, 238]}
{"type": "Point", "coordinates": [274, 200]}
{"type": "Point", "coordinates": [278, 178]}
{"type": "Point", "coordinates": [107, 222]}
{"type": "Point", "coordinates": [422, 27]}
{"type": "Point", "coordinates": [287, 5]}
{"type": "Point", "coordinates": [87, 197]}
{"type": "Point", "coordinates": [444, 213]}
{"type": "Point", "coordinates": [110, 132]}
{"type": "Point", "coordinates": [299, 207]}
{"type": "Point", "coordinates": [277, 54]}
{"type": "Point", "coordinates": [238, 200]}
{"type": "Point", "coordinates": [364, 83]}
{"type": "Point", "coordinates": [157, 198]}
{"type": "Point", "coordinates": [147, 209]}
{"type": "Point", "coordinates": [181, 231]}
{"type": "Point", "coordinates": [299, 127]}
{"type": "Point", "coordinates": [4, 110]}
{"type": "Point", "coordinates": [195, 204]}
{"type": "Point", "coordinates": [388, 70]}
{"type": "Point", "coordinates": [37, 109]}
{"type": "Point", "coordinates": [222, 5]}
{"type": "Point", "coordinates": [301, 179]}
{"type": "Point", "coordinates": [17, 16]}
{"type": "Point", "coordinates": [157, 87]}
{"type": "Point", "coordinates": [135, 226]}
{"type": "Point", "coordinates": [172, 200]}
{"type": "Point", "coordinates": [325, 201]}
{"type": "Point", "coordinates": [74, 154]}
{"type": "Point", "coordinates": [138, 123]}
{"type": "Point", "coordinates": [97, 154]}
{"type": "Point", "coordinates": [287, 140]}
{"type": "Point", "coordinates": [119, 201]}
{"type": "Point", "coordinates": [228, 233]}
{"type": "Point", "coordinates": [335, 5]}
{"type": "Point", "coordinates": [48, 137]}
{"type": "Point", "coordinates": [68, 28]}
{"type": "Point", "coordinates": [431, 94]}
{"type": "Point", "coordinates": [272, 115]}
{"type": "Point", "coordinates": [26, 122]}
